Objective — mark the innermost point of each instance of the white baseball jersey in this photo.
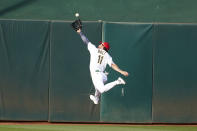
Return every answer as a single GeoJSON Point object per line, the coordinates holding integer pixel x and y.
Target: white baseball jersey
{"type": "Point", "coordinates": [99, 58]}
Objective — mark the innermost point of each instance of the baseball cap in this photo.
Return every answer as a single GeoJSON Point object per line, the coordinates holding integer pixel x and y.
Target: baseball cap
{"type": "Point", "coordinates": [106, 45]}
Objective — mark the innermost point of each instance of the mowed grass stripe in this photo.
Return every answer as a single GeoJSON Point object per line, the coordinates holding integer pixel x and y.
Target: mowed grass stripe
{"type": "Point", "coordinates": [94, 128]}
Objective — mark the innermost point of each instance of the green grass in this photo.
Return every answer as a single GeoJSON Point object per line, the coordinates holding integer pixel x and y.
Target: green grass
{"type": "Point", "coordinates": [94, 128]}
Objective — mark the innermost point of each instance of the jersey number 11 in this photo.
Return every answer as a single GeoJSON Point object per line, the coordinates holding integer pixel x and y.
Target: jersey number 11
{"type": "Point", "coordinates": [100, 59]}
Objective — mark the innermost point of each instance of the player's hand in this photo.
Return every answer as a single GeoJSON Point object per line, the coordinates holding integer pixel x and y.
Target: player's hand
{"type": "Point", "coordinates": [125, 73]}
{"type": "Point", "coordinates": [79, 30]}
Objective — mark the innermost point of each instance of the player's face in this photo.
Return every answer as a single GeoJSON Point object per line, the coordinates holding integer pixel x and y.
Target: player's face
{"type": "Point", "coordinates": [100, 46]}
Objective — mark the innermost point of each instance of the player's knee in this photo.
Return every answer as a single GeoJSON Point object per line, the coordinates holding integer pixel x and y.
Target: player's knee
{"type": "Point", "coordinates": [101, 90]}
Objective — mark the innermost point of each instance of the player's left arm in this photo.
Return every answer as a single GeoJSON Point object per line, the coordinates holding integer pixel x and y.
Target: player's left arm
{"type": "Point", "coordinates": [116, 68]}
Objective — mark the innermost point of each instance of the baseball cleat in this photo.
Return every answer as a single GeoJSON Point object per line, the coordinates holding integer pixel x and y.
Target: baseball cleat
{"type": "Point", "coordinates": [121, 81]}
{"type": "Point", "coordinates": [94, 99]}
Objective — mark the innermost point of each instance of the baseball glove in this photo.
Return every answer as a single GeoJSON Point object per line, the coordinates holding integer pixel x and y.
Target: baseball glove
{"type": "Point", "coordinates": [76, 25]}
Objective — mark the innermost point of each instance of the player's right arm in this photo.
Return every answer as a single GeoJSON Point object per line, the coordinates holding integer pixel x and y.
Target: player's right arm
{"type": "Point", "coordinates": [83, 37]}
{"type": "Point", "coordinates": [91, 47]}
{"type": "Point", "coordinates": [116, 68]}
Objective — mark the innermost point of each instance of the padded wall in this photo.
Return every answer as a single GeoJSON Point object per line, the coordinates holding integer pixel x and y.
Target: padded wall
{"type": "Point", "coordinates": [175, 81]}
{"type": "Point", "coordinates": [44, 72]}
{"type": "Point", "coordinates": [70, 75]}
{"type": "Point", "coordinates": [24, 70]}
{"type": "Point", "coordinates": [131, 50]}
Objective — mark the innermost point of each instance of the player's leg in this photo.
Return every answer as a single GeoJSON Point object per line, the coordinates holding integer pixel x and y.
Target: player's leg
{"type": "Point", "coordinates": [97, 94]}
{"type": "Point", "coordinates": [96, 79]}
{"type": "Point", "coordinates": [100, 88]}
{"type": "Point", "coordinates": [99, 79]}
{"type": "Point", "coordinates": [95, 97]}
{"type": "Point", "coordinates": [99, 85]}
{"type": "Point", "coordinates": [110, 85]}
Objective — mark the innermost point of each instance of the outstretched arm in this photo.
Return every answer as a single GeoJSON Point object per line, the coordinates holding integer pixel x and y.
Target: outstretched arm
{"type": "Point", "coordinates": [83, 37]}
{"type": "Point", "coordinates": [116, 68]}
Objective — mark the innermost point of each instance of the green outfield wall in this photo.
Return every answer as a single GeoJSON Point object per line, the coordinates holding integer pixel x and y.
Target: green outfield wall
{"type": "Point", "coordinates": [106, 10]}
{"type": "Point", "coordinates": [70, 77]}
{"type": "Point", "coordinates": [175, 81]}
{"type": "Point", "coordinates": [44, 72]}
{"type": "Point", "coordinates": [132, 51]}
{"type": "Point", "coordinates": [24, 70]}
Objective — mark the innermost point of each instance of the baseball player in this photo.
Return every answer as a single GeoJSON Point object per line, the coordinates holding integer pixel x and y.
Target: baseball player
{"type": "Point", "coordinates": [99, 58]}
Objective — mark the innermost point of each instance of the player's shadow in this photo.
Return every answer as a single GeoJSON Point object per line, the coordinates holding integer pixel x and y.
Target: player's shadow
{"type": "Point", "coordinates": [16, 6]}
{"type": "Point", "coordinates": [94, 111]}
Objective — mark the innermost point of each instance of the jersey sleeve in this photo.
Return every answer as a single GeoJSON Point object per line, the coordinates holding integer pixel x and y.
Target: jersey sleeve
{"type": "Point", "coordinates": [84, 38]}
{"type": "Point", "coordinates": [92, 48]}
{"type": "Point", "coordinates": [110, 61]}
